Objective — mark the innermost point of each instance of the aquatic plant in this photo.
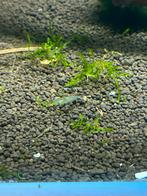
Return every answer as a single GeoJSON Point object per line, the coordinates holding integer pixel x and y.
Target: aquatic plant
{"type": "Point", "coordinates": [98, 69]}
{"type": "Point", "coordinates": [52, 52]}
{"type": "Point", "coordinates": [89, 126]}
{"type": "Point", "coordinates": [28, 39]}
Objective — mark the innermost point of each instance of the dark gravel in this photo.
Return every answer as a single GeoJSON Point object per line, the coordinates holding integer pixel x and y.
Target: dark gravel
{"type": "Point", "coordinates": [38, 143]}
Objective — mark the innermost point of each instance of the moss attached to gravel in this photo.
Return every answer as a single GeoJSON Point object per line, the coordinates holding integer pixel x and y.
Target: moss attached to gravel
{"type": "Point", "coordinates": [89, 126]}
{"type": "Point", "coordinates": [52, 53]}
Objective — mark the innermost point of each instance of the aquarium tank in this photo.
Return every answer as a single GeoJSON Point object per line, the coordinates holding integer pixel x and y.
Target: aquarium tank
{"type": "Point", "coordinates": [73, 90]}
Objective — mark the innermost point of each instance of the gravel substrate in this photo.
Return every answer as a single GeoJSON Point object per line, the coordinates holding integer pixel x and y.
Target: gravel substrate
{"type": "Point", "coordinates": [36, 17]}
{"type": "Point", "coordinates": [37, 143]}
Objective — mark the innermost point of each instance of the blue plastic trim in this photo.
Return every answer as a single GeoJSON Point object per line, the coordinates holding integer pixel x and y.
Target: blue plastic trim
{"type": "Point", "coordinates": [74, 189]}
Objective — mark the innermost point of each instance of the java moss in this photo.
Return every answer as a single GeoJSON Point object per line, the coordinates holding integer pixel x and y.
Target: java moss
{"type": "Point", "coordinates": [89, 126]}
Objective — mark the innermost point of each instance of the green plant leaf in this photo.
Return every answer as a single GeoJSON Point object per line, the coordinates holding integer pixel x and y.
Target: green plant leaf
{"type": "Point", "coordinates": [95, 69]}
{"type": "Point", "coordinates": [89, 126]}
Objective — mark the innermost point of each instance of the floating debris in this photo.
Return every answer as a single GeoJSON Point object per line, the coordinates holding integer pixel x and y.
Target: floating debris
{"type": "Point", "coordinates": [37, 155]}
{"type": "Point", "coordinates": [112, 93]}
